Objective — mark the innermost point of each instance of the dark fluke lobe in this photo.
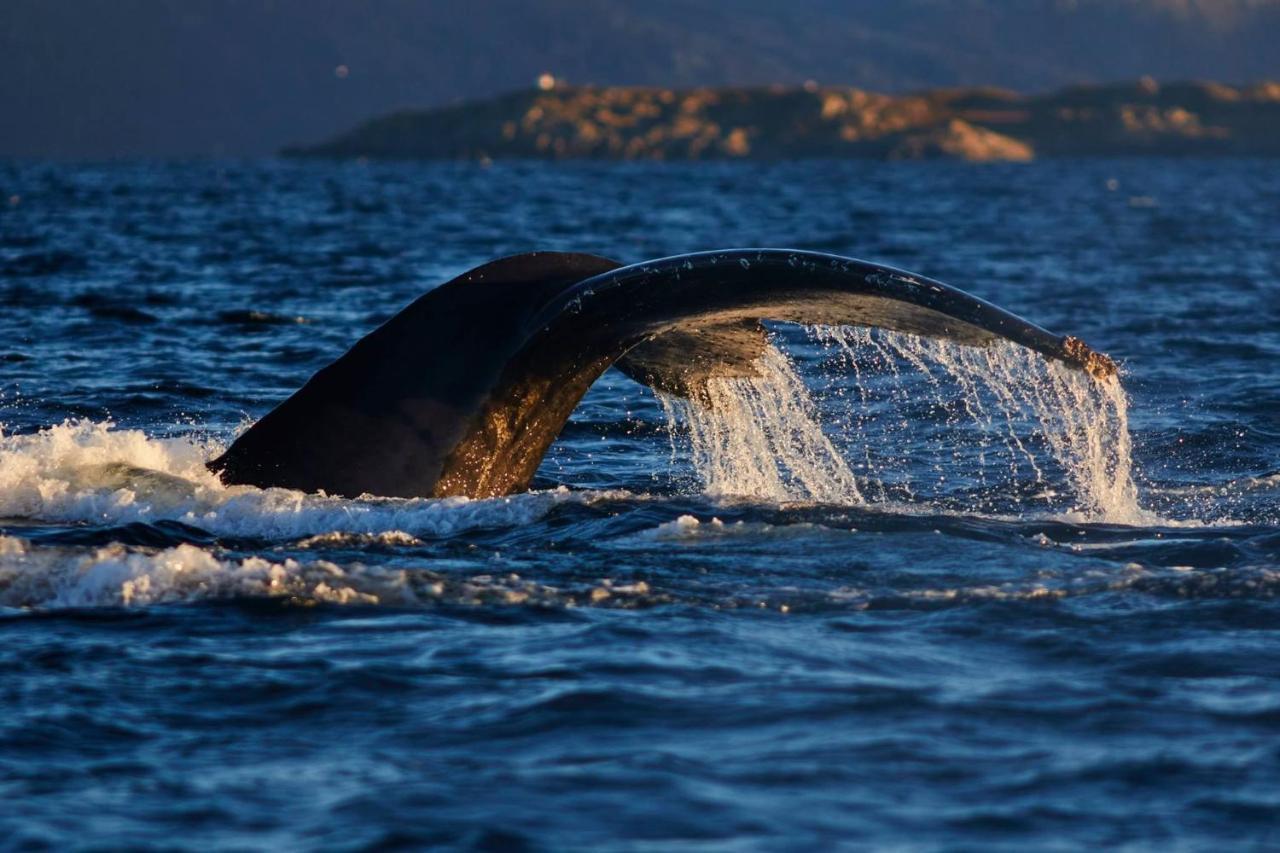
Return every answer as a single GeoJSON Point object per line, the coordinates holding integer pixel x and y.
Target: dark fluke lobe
{"type": "Point", "coordinates": [463, 391]}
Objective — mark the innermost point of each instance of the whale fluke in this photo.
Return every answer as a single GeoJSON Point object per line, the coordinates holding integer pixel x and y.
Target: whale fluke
{"type": "Point", "coordinates": [682, 360]}
{"type": "Point", "coordinates": [463, 391]}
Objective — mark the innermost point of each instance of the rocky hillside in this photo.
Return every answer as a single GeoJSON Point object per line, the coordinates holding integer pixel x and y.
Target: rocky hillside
{"type": "Point", "coordinates": [566, 122]}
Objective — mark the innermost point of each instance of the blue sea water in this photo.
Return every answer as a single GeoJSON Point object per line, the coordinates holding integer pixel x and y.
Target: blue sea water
{"type": "Point", "coordinates": [982, 642]}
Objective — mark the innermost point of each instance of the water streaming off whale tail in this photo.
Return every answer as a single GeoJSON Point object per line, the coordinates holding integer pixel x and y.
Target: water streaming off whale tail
{"type": "Point", "coordinates": [893, 418]}
{"type": "Point", "coordinates": [759, 437]}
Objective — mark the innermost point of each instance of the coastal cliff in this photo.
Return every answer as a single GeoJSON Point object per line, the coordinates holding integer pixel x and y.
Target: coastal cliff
{"type": "Point", "coordinates": [770, 123]}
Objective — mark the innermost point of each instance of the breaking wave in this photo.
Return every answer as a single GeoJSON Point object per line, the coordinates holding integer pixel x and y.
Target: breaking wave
{"type": "Point", "coordinates": [84, 472]}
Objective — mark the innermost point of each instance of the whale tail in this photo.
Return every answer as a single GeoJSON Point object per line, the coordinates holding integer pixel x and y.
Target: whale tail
{"type": "Point", "coordinates": [463, 391]}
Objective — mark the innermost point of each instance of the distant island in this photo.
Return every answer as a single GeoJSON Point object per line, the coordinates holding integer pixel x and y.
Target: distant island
{"type": "Point", "coordinates": [558, 121]}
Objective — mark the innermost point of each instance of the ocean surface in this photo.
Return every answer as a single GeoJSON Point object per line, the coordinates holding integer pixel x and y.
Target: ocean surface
{"type": "Point", "coordinates": [890, 594]}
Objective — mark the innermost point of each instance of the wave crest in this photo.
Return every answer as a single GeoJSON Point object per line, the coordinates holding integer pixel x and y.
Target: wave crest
{"type": "Point", "coordinates": [86, 472]}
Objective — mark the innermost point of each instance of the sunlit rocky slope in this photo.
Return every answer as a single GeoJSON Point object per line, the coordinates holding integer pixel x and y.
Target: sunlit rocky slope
{"type": "Point", "coordinates": [976, 124]}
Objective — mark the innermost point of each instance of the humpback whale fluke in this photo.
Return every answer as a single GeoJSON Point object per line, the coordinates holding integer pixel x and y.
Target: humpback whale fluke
{"type": "Point", "coordinates": [463, 391]}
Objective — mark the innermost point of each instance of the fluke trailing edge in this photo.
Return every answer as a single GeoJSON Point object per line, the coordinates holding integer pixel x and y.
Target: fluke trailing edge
{"type": "Point", "coordinates": [463, 391]}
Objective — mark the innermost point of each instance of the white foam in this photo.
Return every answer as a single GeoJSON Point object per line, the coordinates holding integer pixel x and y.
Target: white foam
{"type": "Point", "coordinates": [53, 577]}
{"type": "Point", "coordinates": [83, 472]}
{"type": "Point", "coordinates": [688, 527]}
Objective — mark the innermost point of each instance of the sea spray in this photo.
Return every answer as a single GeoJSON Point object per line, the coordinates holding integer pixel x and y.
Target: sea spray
{"type": "Point", "coordinates": [1028, 414]}
{"type": "Point", "coordinates": [899, 418]}
{"type": "Point", "coordinates": [760, 436]}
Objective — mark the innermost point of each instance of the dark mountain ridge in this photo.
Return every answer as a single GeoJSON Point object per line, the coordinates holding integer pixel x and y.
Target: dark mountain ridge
{"type": "Point", "coordinates": [104, 78]}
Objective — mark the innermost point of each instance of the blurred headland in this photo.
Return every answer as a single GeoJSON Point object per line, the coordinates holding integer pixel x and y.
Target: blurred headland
{"type": "Point", "coordinates": [556, 121]}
